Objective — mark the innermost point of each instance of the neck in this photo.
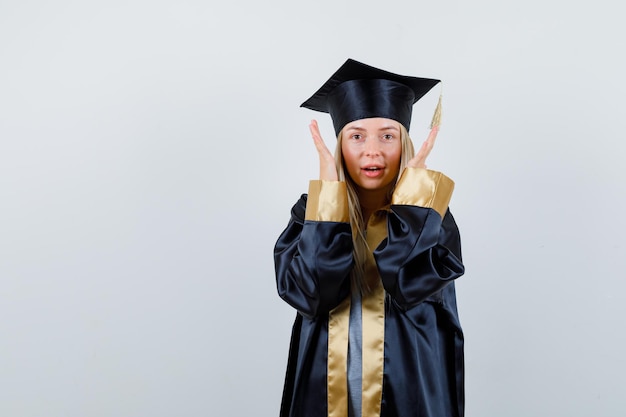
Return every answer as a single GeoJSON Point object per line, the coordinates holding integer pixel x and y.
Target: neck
{"type": "Point", "coordinates": [371, 201]}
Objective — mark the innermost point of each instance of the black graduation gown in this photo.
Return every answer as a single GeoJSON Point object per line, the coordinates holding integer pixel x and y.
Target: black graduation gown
{"type": "Point", "coordinates": [423, 341]}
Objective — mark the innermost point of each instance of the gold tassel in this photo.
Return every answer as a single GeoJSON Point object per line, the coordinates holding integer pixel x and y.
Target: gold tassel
{"type": "Point", "coordinates": [437, 116]}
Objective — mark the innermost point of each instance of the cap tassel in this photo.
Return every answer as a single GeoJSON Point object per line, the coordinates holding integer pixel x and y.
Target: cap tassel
{"type": "Point", "coordinates": [437, 116]}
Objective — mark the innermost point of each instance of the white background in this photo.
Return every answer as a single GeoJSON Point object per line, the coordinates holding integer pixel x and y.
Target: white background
{"type": "Point", "coordinates": [150, 153]}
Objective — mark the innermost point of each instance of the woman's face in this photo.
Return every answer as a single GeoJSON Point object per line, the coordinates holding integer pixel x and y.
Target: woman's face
{"type": "Point", "coordinates": [371, 151]}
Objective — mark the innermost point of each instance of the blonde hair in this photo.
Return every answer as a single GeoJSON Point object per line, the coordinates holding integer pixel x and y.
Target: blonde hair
{"type": "Point", "coordinates": [356, 215]}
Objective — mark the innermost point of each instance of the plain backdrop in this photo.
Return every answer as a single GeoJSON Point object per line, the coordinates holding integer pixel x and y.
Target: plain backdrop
{"type": "Point", "coordinates": [150, 153]}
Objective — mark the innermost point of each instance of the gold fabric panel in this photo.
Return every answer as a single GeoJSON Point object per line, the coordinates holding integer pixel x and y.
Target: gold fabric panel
{"type": "Point", "coordinates": [424, 188]}
{"type": "Point", "coordinates": [373, 337]}
{"type": "Point", "coordinates": [327, 202]}
{"type": "Point", "coordinates": [373, 313]}
{"type": "Point", "coordinates": [338, 329]}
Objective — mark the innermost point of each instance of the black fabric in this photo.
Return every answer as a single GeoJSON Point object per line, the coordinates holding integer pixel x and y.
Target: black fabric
{"type": "Point", "coordinates": [359, 91]}
{"type": "Point", "coordinates": [313, 260]}
{"type": "Point", "coordinates": [418, 261]}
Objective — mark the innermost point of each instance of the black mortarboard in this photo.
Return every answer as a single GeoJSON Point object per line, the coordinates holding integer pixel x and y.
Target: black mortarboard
{"type": "Point", "coordinates": [358, 91]}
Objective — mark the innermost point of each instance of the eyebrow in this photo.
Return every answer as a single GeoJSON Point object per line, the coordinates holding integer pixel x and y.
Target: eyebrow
{"type": "Point", "coordinates": [359, 128]}
{"type": "Point", "coordinates": [356, 128]}
{"type": "Point", "coordinates": [390, 128]}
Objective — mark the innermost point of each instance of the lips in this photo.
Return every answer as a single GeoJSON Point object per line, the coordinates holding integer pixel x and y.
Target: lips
{"type": "Point", "coordinates": [372, 167]}
{"type": "Point", "coordinates": [373, 171]}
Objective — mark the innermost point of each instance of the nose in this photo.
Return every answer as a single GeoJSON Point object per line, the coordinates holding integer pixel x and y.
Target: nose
{"type": "Point", "coordinates": [372, 148]}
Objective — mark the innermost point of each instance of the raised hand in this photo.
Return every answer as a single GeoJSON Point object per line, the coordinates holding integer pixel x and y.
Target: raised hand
{"type": "Point", "coordinates": [328, 169]}
{"type": "Point", "coordinates": [419, 160]}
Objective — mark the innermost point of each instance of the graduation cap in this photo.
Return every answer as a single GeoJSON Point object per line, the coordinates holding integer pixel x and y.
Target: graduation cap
{"type": "Point", "coordinates": [358, 91]}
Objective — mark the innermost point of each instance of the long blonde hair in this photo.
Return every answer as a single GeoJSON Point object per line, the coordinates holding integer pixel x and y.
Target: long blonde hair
{"type": "Point", "coordinates": [356, 215]}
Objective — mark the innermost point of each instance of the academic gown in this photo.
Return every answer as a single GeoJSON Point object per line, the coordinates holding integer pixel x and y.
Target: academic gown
{"type": "Point", "coordinates": [417, 346]}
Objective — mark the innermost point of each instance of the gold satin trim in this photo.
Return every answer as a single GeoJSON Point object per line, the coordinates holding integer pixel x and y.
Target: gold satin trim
{"type": "Point", "coordinates": [338, 330]}
{"type": "Point", "coordinates": [373, 316]}
{"type": "Point", "coordinates": [327, 201]}
{"type": "Point", "coordinates": [373, 338]}
{"type": "Point", "coordinates": [424, 188]}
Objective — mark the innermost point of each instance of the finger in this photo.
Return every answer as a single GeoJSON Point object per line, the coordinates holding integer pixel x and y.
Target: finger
{"type": "Point", "coordinates": [313, 127]}
{"type": "Point", "coordinates": [315, 132]}
{"type": "Point", "coordinates": [317, 139]}
{"type": "Point", "coordinates": [424, 150]}
{"type": "Point", "coordinates": [428, 145]}
{"type": "Point", "coordinates": [328, 170]}
{"type": "Point", "coordinates": [432, 136]}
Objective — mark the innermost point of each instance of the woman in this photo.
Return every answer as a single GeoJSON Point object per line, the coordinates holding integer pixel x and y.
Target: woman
{"type": "Point", "coordinates": [368, 261]}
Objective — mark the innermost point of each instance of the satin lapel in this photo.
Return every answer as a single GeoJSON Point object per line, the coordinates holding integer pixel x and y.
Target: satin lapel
{"type": "Point", "coordinates": [338, 329]}
{"type": "Point", "coordinates": [373, 313]}
{"type": "Point", "coordinates": [373, 325]}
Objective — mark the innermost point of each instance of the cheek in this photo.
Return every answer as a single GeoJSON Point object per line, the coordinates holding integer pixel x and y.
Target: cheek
{"type": "Point", "coordinates": [394, 159]}
{"type": "Point", "coordinates": [350, 159]}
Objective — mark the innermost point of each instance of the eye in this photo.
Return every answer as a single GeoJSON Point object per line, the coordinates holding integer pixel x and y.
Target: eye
{"type": "Point", "coordinates": [387, 137]}
{"type": "Point", "coordinates": [356, 136]}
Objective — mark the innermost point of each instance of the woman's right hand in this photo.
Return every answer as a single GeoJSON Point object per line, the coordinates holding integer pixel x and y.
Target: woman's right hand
{"type": "Point", "coordinates": [328, 169]}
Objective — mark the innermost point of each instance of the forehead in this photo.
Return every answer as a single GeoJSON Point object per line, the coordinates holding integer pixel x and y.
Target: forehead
{"type": "Point", "coordinates": [374, 123]}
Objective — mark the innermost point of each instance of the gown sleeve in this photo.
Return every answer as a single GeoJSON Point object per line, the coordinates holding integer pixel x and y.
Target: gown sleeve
{"type": "Point", "coordinates": [422, 252]}
{"type": "Point", "coordinates": [313, 256]}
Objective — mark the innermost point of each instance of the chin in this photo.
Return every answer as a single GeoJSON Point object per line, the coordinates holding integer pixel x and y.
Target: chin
{"type": "Point", "coordinates": [379, 186]}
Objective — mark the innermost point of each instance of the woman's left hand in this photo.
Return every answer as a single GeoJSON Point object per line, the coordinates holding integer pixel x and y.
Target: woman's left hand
{"type": "Point", "coordinates": [419, 160]}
